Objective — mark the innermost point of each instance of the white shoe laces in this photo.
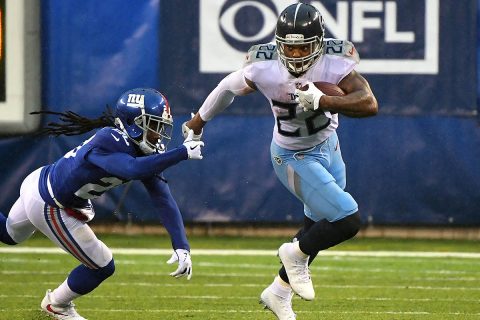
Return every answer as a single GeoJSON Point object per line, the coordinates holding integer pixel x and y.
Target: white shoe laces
{"type": "Point", "coordinates": [302, 270]}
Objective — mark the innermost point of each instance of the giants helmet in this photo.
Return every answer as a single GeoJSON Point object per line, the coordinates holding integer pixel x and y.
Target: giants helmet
{"type": "Point", "coordinates": [300, 24]}
{"type": "Point", "coordinates": [141, 110]}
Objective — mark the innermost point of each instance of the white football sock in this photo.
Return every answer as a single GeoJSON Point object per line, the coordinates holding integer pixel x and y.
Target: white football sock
{"type": "Point", "coordinates": [63, 294]}
{"type": "Point", "coordinates": [281, 288]}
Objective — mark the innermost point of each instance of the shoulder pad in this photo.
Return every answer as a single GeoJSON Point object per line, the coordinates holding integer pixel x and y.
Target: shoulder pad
{"type": "Point", "coordinates": [343, 48]}
{"type": "Point", "coordinates": [261, 52]}
{"type": "Point", "coordinates": [112, 139]}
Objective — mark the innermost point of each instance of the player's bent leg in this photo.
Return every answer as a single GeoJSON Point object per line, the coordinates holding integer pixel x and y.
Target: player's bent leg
{"type": "Point", "coordinates": [305, 174]}
{"type": "Point", "coordinates": [295, 263]}
{"type": "Point", "coordinates": [311, 182]}
{"type": "Point", "coordinates": [97, 262]}
{"type": "Point", "coordinates": [307, 224]}
{"type": "Point", "coordinates": [83, 280]}
{"type": "Point", "coordinates": [4, 235]}
{"type": "Point", "coordinates": [76, 238]}
{"type": "Point", "coordinates": [324, 234]}
{"type": "Point", "coordinates": [17, 227]}
{"type": "Point", "coordinates": [58, 310]}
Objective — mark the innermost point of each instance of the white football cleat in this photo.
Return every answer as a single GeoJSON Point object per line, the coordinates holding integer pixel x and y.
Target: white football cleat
{"type": "Point", "coordinates": [281, 307]}
{"type": "Point", "coordinates": [297, 271]}
{"type": "Point", "coordinates": [62, 312]}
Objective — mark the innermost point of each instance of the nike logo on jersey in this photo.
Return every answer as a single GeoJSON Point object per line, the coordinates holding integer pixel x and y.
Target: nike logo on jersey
{"type": "Point", "coordinates": [114, 137]}
{"type": "Point", "coordinates": [192, 148]}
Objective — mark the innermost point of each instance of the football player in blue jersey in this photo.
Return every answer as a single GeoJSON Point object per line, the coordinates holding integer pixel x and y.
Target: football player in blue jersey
{"type": "Point", "coordinates": [305, 150]}
{"type": "Point", "coordinates": [55, 199]}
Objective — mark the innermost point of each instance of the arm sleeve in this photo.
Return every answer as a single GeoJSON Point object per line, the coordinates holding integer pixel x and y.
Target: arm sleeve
{"type": "Point", "coordinates": [133, 168]}
{"type": "Point", "coordinates": [222, 96]}
{"type": "Point", "coordinates": [166, 207]}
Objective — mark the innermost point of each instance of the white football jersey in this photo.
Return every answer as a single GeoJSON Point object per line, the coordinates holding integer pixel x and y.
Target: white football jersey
{"type": "Point", "coordinates": [296, 129]}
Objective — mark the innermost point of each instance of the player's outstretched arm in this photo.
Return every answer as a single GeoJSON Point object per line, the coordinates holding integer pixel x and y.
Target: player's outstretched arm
{"type": "Point", "coordinates": [235, 84]}
{"type": "Point", "coordinates": [169, 213]}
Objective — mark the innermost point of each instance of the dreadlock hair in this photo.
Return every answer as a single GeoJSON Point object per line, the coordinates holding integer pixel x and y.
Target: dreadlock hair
{"type": "Point", "coordinates": [72, 124]}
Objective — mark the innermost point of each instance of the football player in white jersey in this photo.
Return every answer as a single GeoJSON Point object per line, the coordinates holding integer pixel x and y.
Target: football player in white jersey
{"type": "Point", "coordinates": [305, 150]}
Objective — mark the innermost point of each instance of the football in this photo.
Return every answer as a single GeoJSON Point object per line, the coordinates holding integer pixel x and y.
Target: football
{"type": "Point", "coordinates": [327, 88]}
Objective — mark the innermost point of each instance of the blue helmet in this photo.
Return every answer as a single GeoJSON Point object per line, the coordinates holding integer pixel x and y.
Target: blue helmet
{"type": "Point", "coordinates": [141, 110]}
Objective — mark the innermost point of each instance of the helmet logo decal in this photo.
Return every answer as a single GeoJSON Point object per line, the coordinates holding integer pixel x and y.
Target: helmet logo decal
{"type": "Point", "coordinates": [136, 100]}
{"type": "Point", "coordinates": [294, 36]}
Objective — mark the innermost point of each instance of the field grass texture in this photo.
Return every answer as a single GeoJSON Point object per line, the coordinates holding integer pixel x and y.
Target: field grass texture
{"type": "Point", "coordinates": [361, 279]}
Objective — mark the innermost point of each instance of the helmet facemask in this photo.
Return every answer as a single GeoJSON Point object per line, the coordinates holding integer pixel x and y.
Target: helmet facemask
{"type": "Point", "coordinates": [301, 64]}
{"type": "Point", "coordinates": [160, 126]}
{"type": "Point", "coordinates": [143, 114]}
{"type": "Point", "coordinates": [299, 24]}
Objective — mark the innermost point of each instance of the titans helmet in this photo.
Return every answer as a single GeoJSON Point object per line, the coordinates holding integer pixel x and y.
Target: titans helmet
{"type": "Point", "coordinates": [143, 110]}
{"type": "Point", "coordinates": [300, 24]}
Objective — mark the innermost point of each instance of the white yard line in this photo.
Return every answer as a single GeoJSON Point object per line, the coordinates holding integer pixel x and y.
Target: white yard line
{"type": "Point", "coordinates": [261, 285]}
{"type": "Point", "coordinates": [214, 297]}
{"type": "Point", "coordinates": [216, 252]}
{"type": "Point", "coordinates": [235, 311]}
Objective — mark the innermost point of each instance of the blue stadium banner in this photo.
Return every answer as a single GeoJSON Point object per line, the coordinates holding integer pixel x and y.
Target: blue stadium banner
{"type": "Point", "coordinates": [415, 60]}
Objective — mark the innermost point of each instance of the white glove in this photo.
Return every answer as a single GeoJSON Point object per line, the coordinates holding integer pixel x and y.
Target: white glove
{"type": "Point", "coordinates": [194, 148]}
{"type": "Point", "coordinates": [186, 130]}
{"type": "Point", "coordinates": [184, 260]}
{"type": "Point", "coordinates": [309, 99]}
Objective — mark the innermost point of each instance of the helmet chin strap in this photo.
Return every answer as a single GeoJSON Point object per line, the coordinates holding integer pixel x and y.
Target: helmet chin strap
{"type": "Point", "coordinates": [143, 145]}
{"type": "Point", "coordinates": [145, 148]}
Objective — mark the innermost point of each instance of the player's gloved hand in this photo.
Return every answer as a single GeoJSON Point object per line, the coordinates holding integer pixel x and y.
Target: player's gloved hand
{"type": "Point", "coordinates": [310, 98]}
{"type": "Point", "coordinates": [186, 129]}
{"type": "Point", "coordinates": [194, 148]}
{"type": "Point", "coordinates": [184, 260]}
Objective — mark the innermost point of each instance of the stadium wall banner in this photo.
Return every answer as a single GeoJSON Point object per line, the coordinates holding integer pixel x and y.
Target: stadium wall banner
{"type": "Point", "coordinates": [412, 170]}
{"type": "Point", "coordinates": [406, 46]}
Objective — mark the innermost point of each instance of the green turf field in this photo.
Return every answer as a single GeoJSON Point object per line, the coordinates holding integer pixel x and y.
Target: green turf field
{"type": "Point", "coordinates": [348, 285]}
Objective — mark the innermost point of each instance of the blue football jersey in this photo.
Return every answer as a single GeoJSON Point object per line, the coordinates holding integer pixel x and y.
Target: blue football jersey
{"type": "Point", "coordinates": [104, 161]}
{"type": "Point", "coordinates": [108, 159]}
